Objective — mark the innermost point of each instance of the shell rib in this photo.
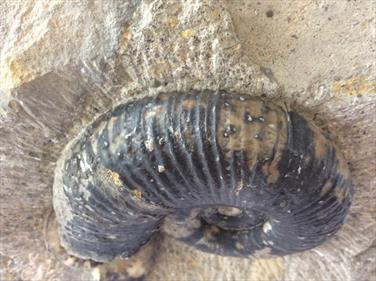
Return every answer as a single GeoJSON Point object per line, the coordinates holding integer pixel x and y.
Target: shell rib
{"type": "Point", "coordinates": [244, 174]}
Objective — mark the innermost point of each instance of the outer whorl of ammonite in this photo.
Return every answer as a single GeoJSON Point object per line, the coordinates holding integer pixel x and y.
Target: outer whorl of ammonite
{"type": "Point", "coordinates": [244, 175]}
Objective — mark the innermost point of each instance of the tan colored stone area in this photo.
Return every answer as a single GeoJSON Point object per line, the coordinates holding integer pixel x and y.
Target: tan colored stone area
{"type": "Point", "coordinates": [354, 86]}
{"type": "Point", "coordinates": [307, 42]}
{"type": "Point", "coordinates": [64, 62]}
{"type": "Point", "coordinates": [196, 266]}
{"type": "Point", "coordinates": [41, 36]}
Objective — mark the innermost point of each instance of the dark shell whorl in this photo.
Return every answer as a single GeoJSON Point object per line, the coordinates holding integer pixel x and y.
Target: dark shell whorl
{"type": "Point", "coordinates": [255, 175]}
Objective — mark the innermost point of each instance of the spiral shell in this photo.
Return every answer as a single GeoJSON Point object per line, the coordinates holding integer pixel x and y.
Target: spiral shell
{"type": "Point", "coordinates": [245, 175]}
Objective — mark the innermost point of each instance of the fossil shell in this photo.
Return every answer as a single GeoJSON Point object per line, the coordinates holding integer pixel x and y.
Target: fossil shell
{"type": "Point", "coordinates": [245, 175]}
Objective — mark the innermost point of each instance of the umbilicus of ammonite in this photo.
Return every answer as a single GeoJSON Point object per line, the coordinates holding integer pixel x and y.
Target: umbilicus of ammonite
{"type": "Point", "coordinates": [244, 175]}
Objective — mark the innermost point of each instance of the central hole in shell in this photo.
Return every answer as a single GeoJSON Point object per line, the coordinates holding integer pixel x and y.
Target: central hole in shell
{"type": "Point", "coordinates": [229, 211]}
{"type": "Point", "coordinates": [232, 218]}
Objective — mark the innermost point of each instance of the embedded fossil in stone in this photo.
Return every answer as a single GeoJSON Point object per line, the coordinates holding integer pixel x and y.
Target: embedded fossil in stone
{"type": "Point", "coordinates": [238, 174]}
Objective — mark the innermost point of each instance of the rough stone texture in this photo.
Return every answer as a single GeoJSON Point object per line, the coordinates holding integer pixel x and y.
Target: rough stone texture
{"type": "Point", "coordinates": [64, 62]}
{"type": "Point", "coordinates": [40, 36]}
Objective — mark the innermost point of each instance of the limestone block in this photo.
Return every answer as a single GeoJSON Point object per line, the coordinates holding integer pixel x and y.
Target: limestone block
{"type": "Point", "coordinates": [64, 62]}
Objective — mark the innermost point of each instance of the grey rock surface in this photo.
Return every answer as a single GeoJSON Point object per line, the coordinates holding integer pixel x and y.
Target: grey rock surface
{"type": "Point", "coordinates": [64, 62]}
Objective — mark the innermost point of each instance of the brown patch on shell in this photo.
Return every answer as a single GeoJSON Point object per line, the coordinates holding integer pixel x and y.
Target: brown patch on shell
{"type": "Point", "coordinates": [326, 188]}
{"type": "Point", "coordinates": [187, 130]}
{"type": "Point", "coordinates": [116, 178]}
{"type": "Point", "coordinates": [306, 159]}
{"type": "Point", "coordinates": [138, 194]}
{"type": "Point", "coordinates": [189, 104]}
{"type": "Point", "coordinates": [342, 166]}
{"type": "Point", "coordinates": [320, 143]}
{"type": "Point", "coordinates": [210, 232]}
{"type": "Point", "coordinates": [108, 177]}
{"type": "Point", "coordinates": [280, 138]}
{"type": "Point", "coordinates": [340, 193]}
{"type": "Point", "coordinates": [256, 132]}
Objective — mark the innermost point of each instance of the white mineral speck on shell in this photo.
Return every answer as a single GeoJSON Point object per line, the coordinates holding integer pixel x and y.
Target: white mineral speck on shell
{"type": "Point", "coordinates": [267, 227]}
{"type": "Point", "coordinates": [149, 144]}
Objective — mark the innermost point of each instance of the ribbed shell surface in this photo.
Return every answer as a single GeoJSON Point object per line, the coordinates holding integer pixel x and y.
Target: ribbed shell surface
{"type": "Point", "coordinates": [183, 153]}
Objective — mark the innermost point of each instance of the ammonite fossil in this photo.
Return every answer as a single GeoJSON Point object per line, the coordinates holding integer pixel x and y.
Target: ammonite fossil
{"type": "Point", "coordinates": [240, 174]}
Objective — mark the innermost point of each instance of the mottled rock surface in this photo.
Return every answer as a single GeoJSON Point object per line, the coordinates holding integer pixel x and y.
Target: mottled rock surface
{"type": "Point", "coordinates": [64, 62]}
